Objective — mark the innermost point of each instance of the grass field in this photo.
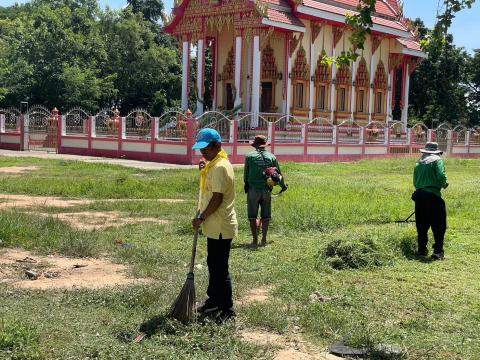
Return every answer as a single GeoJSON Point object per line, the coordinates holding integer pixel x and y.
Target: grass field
{"type": "Point", "coordinates": [332, 233]}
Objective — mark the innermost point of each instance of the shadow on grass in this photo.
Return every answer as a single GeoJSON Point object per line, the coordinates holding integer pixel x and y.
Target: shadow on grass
{"type": "Point", "coordinates": [409, 250]}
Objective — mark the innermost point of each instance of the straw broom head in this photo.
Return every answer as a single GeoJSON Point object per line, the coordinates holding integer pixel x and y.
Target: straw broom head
{"type": "Point", "coordinates": [183, 308]}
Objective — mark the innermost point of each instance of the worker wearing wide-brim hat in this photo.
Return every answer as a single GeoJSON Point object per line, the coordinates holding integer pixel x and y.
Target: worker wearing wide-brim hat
{"type": "Point", "coordinates": [429, 178]}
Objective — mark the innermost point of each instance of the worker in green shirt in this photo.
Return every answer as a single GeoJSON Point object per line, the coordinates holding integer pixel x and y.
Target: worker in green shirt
{"type": "Point", "coordinates": [429, 178]}
{"type": "Point", "coordinates": [259, 192]}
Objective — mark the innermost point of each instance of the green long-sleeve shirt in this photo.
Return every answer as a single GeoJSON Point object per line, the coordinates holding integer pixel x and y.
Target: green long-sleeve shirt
{"type": "Point", "coordinates": [429, 174]}
{"type": "Point", "coordinates": [254, 167]}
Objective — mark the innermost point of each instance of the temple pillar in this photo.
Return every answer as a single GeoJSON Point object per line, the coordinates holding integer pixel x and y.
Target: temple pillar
{"type": "Point", "coordinates": [389, 96]}
{"type": "Point", "coordinates": [185, 73]}
{"type": "Point", "coordinates": [371, 95]}
{"type": "Point", "coordinates": [288, 78]}
{"type": "Point", "coordinates": [312, 73]}
{"type": "Point", "coordinates": [256, 80]}
{"type": "Point", "coordinates": [332, 87]}
{"type": "Point", "coordinates": [405, 93]}
{"type": "Point", "coordinates": [354, 92]}
{"type": "Point", "coordinates": [200, 68]}
{"type": "Point", "coordinates": [238, 70]}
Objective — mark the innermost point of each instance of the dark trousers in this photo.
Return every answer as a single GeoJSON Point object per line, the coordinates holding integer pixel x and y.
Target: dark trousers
{"type": "Point", "coordinates": [430, 212]}
{"type": "Point", "coordinates": [220, 284]}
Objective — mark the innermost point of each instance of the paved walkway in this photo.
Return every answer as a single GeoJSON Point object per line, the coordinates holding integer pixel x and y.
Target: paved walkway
{"type": "Point", "coordinates": [144, 165]}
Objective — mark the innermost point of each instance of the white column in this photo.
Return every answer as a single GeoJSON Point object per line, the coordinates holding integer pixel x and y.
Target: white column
{"type": "Point", "coordinates": [238, 68]}
{"type": "Point", "coordinates": [289, 85]}
{"type": "Point", "coordinates": [93, 130]}
{"type": "Point", "coordinates": [354, 88]}
{"type": "Point", "coordinates": [63, 125]}
{"type": "Point", "coordinates": [2, 123]}
{"type": "Point", "coordinates": [248, 106]}
{"type": "Point", "coordinates": [200, 62]}
{"type": "Point", "coordinates": [256, 80]}
{"type": "Point", "coordinates": [312, 73]}
{"type": "Point", "coordinates": [124, 127]}
{"type": "Point", "coordinates": [185, 61]}
{"type": "Point", "coordinates": [332, 87]}
{"type": "Point", "coordinates": [389, 96]}
{"type": "Point", "coordinates": [406, 93]}
{"type": "Point", "coordinates": [372, 79]}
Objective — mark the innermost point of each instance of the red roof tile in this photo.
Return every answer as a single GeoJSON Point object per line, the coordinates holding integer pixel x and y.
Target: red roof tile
{"type": "Point", "coordinates": [410, 44]}
{"type": "Point", "coordinates": [315, 4]}
{"type": "Point", "coordinates": [283, 17]}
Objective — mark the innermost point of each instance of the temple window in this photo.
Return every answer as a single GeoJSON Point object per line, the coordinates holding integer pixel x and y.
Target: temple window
{"type": "Point", "coordinates": [300, 77]}
{"type": "Point", "coordinates": [380, 85]}
{"type": "Point", "coordinates": [378, 103]}
{"type": "Point", "coordinates": [322, 80]}
{"type": "Point", "coordinates": [227, 80]}
{"type": "Point", "coordinates": [361, 101]}
{"type": "Point", "coordinates": [342, 99]}
{"type": "Point", "coordinates": [269, 76]}
{"type": "Point", "coordinates": [344, 83]}
{"type": "Point", "coordinates": [362, 82]}
{"type": "Point", "coordinates": [321, 97]}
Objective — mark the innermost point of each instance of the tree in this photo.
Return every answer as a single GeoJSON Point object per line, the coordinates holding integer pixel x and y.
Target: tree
{"type": "Point", "coordinates": [152, 10]}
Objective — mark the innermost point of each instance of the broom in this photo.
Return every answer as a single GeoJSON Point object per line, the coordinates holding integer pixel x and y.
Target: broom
{"type": "Point", "coordinates": [183, 307]}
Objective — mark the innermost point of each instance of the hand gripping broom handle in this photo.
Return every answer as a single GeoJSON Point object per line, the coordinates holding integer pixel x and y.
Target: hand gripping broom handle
{"type": "Point", "coordinates": [194, 250]}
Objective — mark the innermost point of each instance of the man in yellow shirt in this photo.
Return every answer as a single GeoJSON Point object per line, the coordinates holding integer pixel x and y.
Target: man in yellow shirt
{"type": "Point", "coordinates": [218, 221]}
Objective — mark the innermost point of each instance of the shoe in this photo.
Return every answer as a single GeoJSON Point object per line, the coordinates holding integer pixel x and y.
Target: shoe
{"type": "Point", "coordinates": [224, 316]}
{"type": "Point", "coordinates": [207, 308]}
{"type": "Point", "coordinates": [438, 256]}
{"type": "Point", "coordinates": [423, 252]}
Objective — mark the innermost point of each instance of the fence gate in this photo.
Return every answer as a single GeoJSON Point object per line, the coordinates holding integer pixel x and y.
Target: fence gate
{"type": "Point", "coordinates": [441, 137]}
{"type": "Point", "coordinates": [41, 126]}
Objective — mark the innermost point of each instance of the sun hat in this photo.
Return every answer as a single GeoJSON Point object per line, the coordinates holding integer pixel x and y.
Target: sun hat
{"type": "Point", "coordinates": [205, 137]}
{"type": "Point", "coordinates": [259, 141]}
{"type": "Point", "coordinates": [431, 148]}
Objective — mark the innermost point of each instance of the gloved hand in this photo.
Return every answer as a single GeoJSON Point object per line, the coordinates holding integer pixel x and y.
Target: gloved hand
{"type": "Point", "coordinates": [246, 186]}
{"type": "Point", "coordinates": [446, 185]}
{"type": "Point", "coordinates": [285, 187]}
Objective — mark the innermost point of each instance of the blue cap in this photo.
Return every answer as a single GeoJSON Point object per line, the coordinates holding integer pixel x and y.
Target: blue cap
{"type": "Point", "coordinates": [205, 137]}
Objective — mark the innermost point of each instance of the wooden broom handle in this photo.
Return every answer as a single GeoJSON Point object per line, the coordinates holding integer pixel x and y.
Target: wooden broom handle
{"type": "Point", "coordinates": [194, 250]}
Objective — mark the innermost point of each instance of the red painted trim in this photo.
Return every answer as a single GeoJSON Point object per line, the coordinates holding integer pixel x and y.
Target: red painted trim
{"type": "Point", "coordinates": [9, 146]}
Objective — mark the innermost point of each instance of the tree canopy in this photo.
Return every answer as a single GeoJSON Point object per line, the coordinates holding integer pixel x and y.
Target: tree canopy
{"type": "Point", "coordinates": [67, 53]}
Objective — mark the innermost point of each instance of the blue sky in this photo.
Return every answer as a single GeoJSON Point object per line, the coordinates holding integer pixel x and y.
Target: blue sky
{"type": "Point", "coordinates": [466, 27]}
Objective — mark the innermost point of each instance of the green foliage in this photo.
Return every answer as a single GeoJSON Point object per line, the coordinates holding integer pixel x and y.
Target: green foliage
{"type": "Point", "coordinates": [70, 53]}
{"type": "Point", "coordinates": [19, 339]}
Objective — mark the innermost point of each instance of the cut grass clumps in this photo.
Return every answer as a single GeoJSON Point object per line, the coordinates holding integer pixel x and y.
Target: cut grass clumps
{"type": "Point", "coordinates": [363, 247]}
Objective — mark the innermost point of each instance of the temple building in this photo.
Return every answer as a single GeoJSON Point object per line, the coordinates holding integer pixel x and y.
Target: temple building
{"type": "Point", "coordinates": [266, 58]}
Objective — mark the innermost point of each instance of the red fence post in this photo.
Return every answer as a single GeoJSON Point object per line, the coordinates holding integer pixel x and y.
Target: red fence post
{"type": "Point", "coordinates": [191, 127]}
{"type": "Point", "coordinates": [22, 132]}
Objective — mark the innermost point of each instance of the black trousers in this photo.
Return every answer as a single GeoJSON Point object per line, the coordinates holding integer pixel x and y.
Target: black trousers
{"type": "Point", "coordinates": [220, 283]}
{"type": "Point", "coordinates": [430, 212]}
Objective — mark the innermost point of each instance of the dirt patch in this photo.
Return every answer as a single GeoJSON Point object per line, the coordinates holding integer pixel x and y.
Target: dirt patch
{"type": "Point", "coordinates": [97, 220]}
{"type": "Point", "coordinates": [256, 295]}
{"type": "Point", "coordinates": [16, 170]}
{"type": "Point", "coordinates": [291, 347]}
{"type": "Point", "coordinates": [53, 272]}
{"type": "Point", "coordinates": [27, 201]}
{"type": "Point", "coordinates": [23, 201]}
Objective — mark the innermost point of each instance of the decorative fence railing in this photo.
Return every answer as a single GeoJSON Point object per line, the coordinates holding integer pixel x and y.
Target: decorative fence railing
{"type": "Point", "coordinates": [141, 135]}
